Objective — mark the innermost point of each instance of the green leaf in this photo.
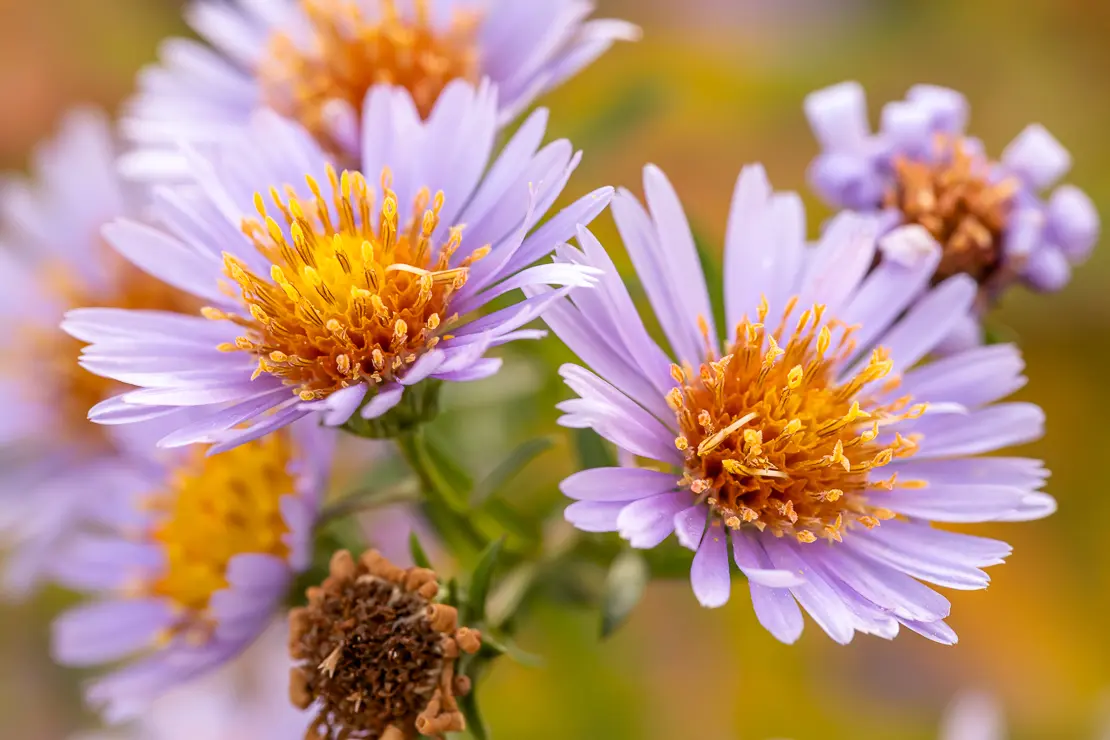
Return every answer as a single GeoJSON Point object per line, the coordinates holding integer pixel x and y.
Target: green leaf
{"type": "Point", "coordinates": [480, 582]}
{"type": "Point", "coordinates": [419, 556]}
{"type": "Point", "coordinates": [446, 464]}
{"type": "Point", "coordinates": [445, 506]}
{"type": "Point", "coordinates": [451, 593]}
{"type": "Point", "coordinates": [511, 591]}
{"type": "Point", "coordinates": [509, 468]}
{"type": "Point", "coordinates": [509, 519]}
{"type": "Point", "coordinates": [406, 491]}
{"type": "Point", "coordinates": [592, 451]}
{"type": "Point", "coordinates": [624, 587]}
{"type": "Point", "coordinates": [500, 645]}
{"type": "Point", "coordinates": [475, 724]}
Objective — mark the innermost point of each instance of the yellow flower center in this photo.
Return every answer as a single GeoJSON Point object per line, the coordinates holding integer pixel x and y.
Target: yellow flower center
{"type": "Point", "coordinates": [349, 302]}
{"type": "Point", "coordinates": [49, 356]}
{"type": "Point", "coordinates": [773, 441]}
{"type": "Point", "coordinates": [214, 508]}
{"type": "Point", "coordinates": [955, 200]}
{"type": "Point", "coordinates": [347, 53]}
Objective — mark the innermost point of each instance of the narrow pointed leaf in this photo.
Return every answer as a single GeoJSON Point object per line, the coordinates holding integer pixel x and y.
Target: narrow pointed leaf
{"type": "Point", "coordinates": [419, 555]}
{"type": "Point", "coordinates": [481, 580]}
{"type": "Point", "coordinates": [475, 724]}
{"type": "Point", "coordinates": [505, 646]}
{"type": "Point", "coordinates": [452, 593]}
{"type": "Point", "coordinates": [519, 459]}
{"type": "Point", "coordinates": [447, 465]}
{"type": "Point", "coordinates": [592, 451]}
{"type": "Point", "coordinates": [624, 587]}
{"type": "Point", "coordinates": [511, 591]}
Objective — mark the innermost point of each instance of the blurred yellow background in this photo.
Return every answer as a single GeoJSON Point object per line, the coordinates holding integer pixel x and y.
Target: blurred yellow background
{"type": "Point", "coordinates": [716, 84]}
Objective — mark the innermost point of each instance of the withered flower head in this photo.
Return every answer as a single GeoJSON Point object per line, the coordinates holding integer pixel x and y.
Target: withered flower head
{"type": "Point", "coordinates": [376, 655]}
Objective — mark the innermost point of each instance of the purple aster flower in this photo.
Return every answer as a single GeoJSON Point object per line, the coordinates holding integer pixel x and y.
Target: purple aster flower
{"type": "Point", "coordinates": [315, 60]}
{"type": "Point", "coordinates": [247, 698]}
{"type": "Point", "coordinates": [200, 557]}
{"type": "Point", "coordinates": [814, 444]}
{"type": "Point", "coordinates": [922, 168]}
{"type": "Point", "coordinates": [332, 297]}
{"type": "Point", "coordinates": [54, 259]}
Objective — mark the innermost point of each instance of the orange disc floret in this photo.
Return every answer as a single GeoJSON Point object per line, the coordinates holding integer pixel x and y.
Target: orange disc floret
{"type": "Point", "coordinates": [773, 440]}
{"type": "Point", "coordinates": [347, 51]}
{"type": "Point", "coordinates": [350, 301]}
{"type": "Point", "coordinates": [955, 199]}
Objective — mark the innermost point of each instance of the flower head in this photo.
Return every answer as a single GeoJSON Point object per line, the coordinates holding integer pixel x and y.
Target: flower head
{"type": "Point", "coordinates": [329, 292]}
{"type": "Point", "coordinates": [814, 441]}
{"type": "Point", "coordinates": [201, 555]}
{"type": "Point", "coordinates": [247, 698]}
{"type": "Point", "coordinates": [54, 260]}
{"type": "Point", "coordinates": [922, 168]}
{"type": "Point", "coordinates": [315, 60]}
{"type": "Point", "coordinates": [375, 655]}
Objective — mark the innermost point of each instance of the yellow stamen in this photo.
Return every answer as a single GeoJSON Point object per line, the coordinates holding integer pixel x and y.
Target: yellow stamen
{"type": "Point", "coordinates": [214, 508]}
{"type": "Point", "coordinates": [342, 302]}
{"type": "Point", "coordinates": [956, 200]}
{"type": "Point", "coordinates": [350, 49]}
{"type": "Point", "coordinates": [776, 443]}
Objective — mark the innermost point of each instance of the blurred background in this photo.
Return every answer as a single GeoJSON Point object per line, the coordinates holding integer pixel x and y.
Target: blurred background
{"type": "Point", "coordinates": [716, 84]}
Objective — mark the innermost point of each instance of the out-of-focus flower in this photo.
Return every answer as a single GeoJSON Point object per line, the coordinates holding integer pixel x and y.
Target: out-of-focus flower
{"type": "Point", "coordinates": [247, 698]}
{"type": "Point", "coordinates": [922, 168]}
{"type": "Point", "coordinates": [54, 259]}
{"type": "Point", "coordinates": [811, 439]}
{"type": "Point", "coordinates": [332, 297]}
{"type": "Point", "coordinates": [199, 561]}
{"type": "Point", "coordinates": [973, 716]}
{"type": "Point", "coordinates": [376, 657]}
{"type": "Point", "coordinates": [315, 60]}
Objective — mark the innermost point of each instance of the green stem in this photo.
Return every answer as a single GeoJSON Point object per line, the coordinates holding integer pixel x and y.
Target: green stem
{"type": "Point", "coordinates": [405, 492]}
{"type": "Point", "coordinates": [445, 508]}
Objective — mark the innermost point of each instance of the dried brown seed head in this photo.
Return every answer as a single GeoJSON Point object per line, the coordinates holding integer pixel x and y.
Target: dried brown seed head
{"type": "Point", "coordinates": [375, 656]}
